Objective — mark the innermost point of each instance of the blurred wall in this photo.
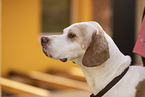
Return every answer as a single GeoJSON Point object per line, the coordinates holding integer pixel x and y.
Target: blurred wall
{"type": "Point", "coordinates": [102, 13]}
{"type": "Point", "coordinates": [81, 11]}
{"type": "Point", "coordinates": [20, 47]}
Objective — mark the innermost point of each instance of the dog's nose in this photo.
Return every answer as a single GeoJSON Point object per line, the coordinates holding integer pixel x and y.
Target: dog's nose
{"type": "Point", "coordinates": [44, 40]}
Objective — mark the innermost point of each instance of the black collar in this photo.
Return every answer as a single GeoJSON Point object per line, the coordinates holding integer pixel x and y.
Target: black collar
{"type": "Point", "coordinates": [111, 84]}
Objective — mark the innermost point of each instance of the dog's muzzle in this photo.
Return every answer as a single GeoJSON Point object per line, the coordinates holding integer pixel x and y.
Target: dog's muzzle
{"type": "Point", "coordinates": [44, 43]}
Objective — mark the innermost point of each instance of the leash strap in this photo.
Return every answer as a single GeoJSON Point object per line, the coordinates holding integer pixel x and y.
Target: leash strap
{"type": "Point", "coordinates": [111, 84]}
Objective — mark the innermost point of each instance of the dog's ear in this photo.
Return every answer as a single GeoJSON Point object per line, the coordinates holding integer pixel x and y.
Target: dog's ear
{"type": "Point", "coordinates": [97, 52]}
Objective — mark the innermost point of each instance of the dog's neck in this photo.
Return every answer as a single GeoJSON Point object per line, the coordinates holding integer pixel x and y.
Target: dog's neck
{"type": "Point", "coordinates": [98, 77]}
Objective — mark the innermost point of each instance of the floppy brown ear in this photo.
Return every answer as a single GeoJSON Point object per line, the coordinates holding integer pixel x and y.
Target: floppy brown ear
{"type": "Point", "coordinates": [97, 52]}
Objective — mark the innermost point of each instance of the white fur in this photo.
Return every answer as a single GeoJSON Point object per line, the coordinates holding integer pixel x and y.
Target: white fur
{"type": "Point", "coordinates": [98, 77]}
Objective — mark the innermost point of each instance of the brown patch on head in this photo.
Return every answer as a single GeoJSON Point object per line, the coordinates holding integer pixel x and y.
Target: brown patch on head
{"type": "Point", "coordinates": [83, 35]}
{"type": "Point", "coordinates": [140, 89]}
{"type": "Point", "coordinates": [97, 52]}
{"type": "Point", "coordinates": [80, 31]}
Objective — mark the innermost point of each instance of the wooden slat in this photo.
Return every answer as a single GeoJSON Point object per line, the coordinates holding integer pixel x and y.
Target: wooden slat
{"type": "Point", "coordinates": [74, 73]}
{"type": "Point", "coordinates": [38, 79]}
{"type": "Point", "coordinates": [18, 87]}
{"type": "Point", "coordinates": [58, 80]}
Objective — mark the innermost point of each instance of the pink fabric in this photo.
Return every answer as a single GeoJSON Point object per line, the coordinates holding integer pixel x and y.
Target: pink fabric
{"type": "Point", "coordinates": [140, 43]}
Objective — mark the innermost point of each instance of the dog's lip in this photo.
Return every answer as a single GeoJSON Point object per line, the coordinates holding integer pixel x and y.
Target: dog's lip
{"type": "Point", "coordinates": [46, 52]}
{"type": "Point", "coordinates": [63, 59]}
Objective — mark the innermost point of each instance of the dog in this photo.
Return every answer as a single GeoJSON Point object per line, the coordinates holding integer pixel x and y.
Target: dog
{"type": "Point", "coordinates": [89, 46]}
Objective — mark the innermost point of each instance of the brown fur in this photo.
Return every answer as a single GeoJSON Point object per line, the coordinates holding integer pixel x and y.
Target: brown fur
{"type": "Point", "coordinates": [80, 31]}
{"type": "Point", "coordinates": [140, 89]}
{"type": "Point", "coordinates": [97, 52]}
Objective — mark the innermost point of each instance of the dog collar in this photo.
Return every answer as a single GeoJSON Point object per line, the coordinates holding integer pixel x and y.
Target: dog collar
{"type": "Point", "coordinates": [111, 84]}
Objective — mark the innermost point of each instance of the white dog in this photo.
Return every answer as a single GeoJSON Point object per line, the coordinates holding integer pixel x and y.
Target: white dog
{"type": "Point", "coordinates": [88, 45]}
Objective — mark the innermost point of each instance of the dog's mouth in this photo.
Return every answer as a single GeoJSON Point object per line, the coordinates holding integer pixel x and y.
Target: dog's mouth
{"type": "Point", "coordinates": [63, 59]}
{"type": "Point", "coordinates": [47, 53]}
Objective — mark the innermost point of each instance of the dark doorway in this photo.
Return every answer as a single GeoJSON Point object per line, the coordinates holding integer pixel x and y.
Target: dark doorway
{"type": "Point", "coordinates": [124, 25]}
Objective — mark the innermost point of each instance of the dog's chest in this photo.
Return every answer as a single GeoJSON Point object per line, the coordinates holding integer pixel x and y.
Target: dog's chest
{"type": "Point", "coordinates": [126, 87]}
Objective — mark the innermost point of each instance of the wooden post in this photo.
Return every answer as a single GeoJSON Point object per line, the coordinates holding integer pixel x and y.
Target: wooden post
{"type": "Point", "coordinates": [81, 10]}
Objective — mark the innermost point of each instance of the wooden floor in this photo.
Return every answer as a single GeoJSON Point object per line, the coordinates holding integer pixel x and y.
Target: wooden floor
{"type": "Point", "coordinates": [53, 83]}
{"type": "Point", "coordinates": [59, 94]}
{"type": "Point", "coordinates": [77, 93]}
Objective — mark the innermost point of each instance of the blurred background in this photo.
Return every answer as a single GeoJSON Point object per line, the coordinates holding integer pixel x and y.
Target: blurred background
{"type": "Point", "coordinates": [23, 22]}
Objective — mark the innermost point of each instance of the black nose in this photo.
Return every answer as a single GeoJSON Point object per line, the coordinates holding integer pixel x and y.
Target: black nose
{"type": "Point", "coordinates": [44, 40]}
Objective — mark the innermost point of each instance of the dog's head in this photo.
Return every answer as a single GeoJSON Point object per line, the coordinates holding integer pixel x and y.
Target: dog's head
{"type": "Point", "coordinates": [85, 41]}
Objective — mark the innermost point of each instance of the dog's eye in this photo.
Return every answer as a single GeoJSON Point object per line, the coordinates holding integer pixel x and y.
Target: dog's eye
{"type": "Point", "coordinates": [71, 35]}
